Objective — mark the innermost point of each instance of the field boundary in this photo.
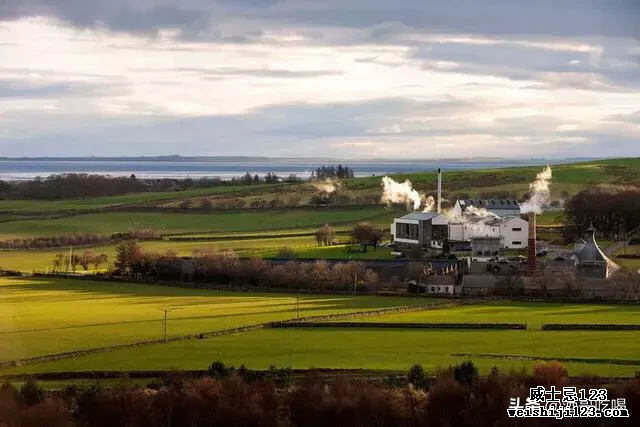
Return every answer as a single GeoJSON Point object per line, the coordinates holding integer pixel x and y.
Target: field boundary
{"type": "Point", "coordinates": [589, 327]}
{"type": "Point", "coordinates": [222, 332]}
{"type": "Point", "coordinates": [371, 374]}
{"type": "Point", "coordinates": [397, 325]}
{"type": "Point", "coordinates": [623, 362]}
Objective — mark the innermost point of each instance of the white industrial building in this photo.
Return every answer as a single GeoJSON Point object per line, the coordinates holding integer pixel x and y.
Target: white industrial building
{"type": "Point", "coordinates": [499, 207]}
{"type": "Point", "coordinates": [512, 231]}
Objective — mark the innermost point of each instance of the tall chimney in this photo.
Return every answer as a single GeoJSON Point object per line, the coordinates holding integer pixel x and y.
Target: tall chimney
{"type": "Point", "coordinates": [439, 190]}
{"type": "Point", "coordinates": [531, 248]}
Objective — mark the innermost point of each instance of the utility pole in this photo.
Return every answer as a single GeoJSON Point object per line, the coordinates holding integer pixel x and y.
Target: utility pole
{"type": "Point", "coordinates": [355, 283]}
{"type": "Point", "coordinates": [167, 310]}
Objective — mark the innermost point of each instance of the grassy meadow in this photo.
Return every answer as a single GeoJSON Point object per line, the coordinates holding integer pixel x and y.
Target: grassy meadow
{"type": "Point", "coordinates": [363, 348]}
{"type": "Point", "coordinates": [170, 223]}
{"type": "Point", "coordinates": [533, 314]}
{"type": "Point", "coordinates": [42, 316]}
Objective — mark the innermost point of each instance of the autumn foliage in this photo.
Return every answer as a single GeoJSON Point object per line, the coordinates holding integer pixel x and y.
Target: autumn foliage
{"type": "Point", "coordinates": [239, 398]}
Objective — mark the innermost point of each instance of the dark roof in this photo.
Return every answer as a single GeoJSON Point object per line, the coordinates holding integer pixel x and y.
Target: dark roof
{"type": "Point", "coordinates": [591, 253]}
{"type": "Point", "coordinates": [420, 216]}
{"type": "Point", "coordinates": [489, 203]}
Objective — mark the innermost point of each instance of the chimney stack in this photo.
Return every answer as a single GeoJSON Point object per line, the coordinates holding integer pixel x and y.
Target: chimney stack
{"type": "Point", "coordinates": [439, 190]}
{"type": "Point", "coordinates": [531, 248]}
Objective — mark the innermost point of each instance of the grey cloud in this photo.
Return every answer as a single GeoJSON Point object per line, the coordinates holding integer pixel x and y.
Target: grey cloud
{"type": "Point", "coordinates": [24, 89]}
{"type": "Point", "coordinates": [314, 129]}
{"type": "Point", "coordinates": [218, 73]}
{"type": "Point", "coordinates": [616, 18]}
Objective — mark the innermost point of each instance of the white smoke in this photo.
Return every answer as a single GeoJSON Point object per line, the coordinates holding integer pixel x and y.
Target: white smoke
{"type": "Point", "coordinates": [328, 186]}
{"type": "Point", "coordinates": [472, 211]}
{"type": "Point", "coordinates": [540, 193]}
{"type": "Point", "coordinates": [429, 204]}
{"type": "Point", "coordinates": [397, 192]}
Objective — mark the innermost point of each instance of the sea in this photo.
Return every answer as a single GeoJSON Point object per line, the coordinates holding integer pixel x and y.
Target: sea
{"type": "Point", "coordinates": [25, 169]}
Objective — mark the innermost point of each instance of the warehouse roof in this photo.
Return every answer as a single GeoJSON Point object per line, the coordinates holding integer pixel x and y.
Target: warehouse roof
{"type": "Point", "coordinates": [420, 216]}
{"type": "Point", "coordinates": [489, 203]}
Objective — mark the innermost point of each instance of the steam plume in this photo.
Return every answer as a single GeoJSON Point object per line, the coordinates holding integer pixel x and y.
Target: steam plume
{"type": "Point", "coordinates": [478, 212]}
{"type": "Point", "coordinates": [396, 192]}
{"type": "Point", "coordinates": [327, 186]}
{"type": "Point", "coordinates": [540, 193]}
{"type": "Point", "coordinates": [429, 204]}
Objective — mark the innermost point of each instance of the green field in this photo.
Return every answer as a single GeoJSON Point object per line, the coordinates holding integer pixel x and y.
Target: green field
{"type": "Point", "coordinates": [47, 316]}
{"type": "Point", "coordinates": [47, 206]}
{"type": "Point", "coordinates": [41, 316]}
{"type": "Point", "coordinates": [533, 314]}
{"type": "Point", "coordinates": [372, 349]}
{"type": "Point", "coordinates": [108, 223]}
{"type": "Point", "coordinates": [305, 248]}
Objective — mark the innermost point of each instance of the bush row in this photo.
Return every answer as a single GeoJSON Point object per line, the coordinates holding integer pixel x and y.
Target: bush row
{"type": "Point", "coordinates": [78, 239]}
{"type": "Point", "coordinates": [399, 325]}
{"type": "Point", "coordinates": [235, 397]}
{"type": "Point", "coordinates": [589, 327]}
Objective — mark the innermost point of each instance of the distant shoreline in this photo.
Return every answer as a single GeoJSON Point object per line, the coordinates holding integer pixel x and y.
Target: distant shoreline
{"type": "Point", "coordinates": [264, 159]}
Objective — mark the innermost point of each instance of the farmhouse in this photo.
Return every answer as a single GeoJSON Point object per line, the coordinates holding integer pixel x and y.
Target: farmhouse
{"type": "Point", "coordinates": [425, 229]}
{"type": "Point", "coordinates": [499, 207]}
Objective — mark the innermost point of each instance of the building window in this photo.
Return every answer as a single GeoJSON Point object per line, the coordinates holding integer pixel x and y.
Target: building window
{"type": "Point", "coordinates": [516, 229]}
{"type": "Point", "coordinates": [515, 243]}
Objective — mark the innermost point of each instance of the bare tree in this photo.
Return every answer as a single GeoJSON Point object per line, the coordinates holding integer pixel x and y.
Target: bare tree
{"type": "Point", "coordinates": [86, 258]}
{"type": "Point", "coordinates": [98, 260]}
{"type": "Point", "coordinates": [366, 234]}
{"type": "Point", "coordinates": [58, 262]}
{"type": "Point", "coordinates": [325, 235]}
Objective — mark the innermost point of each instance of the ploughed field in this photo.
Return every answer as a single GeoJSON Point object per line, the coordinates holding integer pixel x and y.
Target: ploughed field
{"type": "Point", "coordinates": [44, 316]}
{"type": "Point", "coordinates": [47, 316]}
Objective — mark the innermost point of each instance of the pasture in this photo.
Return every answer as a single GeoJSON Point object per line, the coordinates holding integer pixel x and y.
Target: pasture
{"type": "Point", "coordinates": [533, 314]}
{"type": "Point", "coordinates": [171, 223]}
{"type": "Point", "coordinates": [46, 316]}
{"type": "Point", "coordinates": [136, 199]}
{"type": "Point", "coordinates": [364, 348]}
{"type": "Point", "coordinates": [305, 247]}
{"type": "Point", "coordinates": [42, 316]}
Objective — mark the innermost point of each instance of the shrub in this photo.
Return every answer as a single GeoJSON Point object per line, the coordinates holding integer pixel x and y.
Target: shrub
{"type": "Point", "coordinates": [31, 393]}
{"type": "Point", "coordinates": [219, 370]}
{"type": "Point", "coordinates": [50, 412]}
{"type": "Point", "coordinates": [286, 253]}
{"type": "Point", "coordinates": [417, 376]}
{"type": "Point", "coordinates": [466, 373]}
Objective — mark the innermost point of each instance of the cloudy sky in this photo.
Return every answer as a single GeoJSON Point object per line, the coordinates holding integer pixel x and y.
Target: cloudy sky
{"type": "Point", "coordinates": [339, 78]}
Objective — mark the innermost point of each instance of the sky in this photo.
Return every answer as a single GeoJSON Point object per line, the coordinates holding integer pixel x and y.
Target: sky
{"type": "Point", "coordinates": [331, 78]}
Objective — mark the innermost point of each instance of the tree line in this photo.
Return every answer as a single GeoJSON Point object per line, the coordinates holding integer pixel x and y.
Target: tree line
{"type": "Point", "coordinates": [85, 259]}
{"type": "Point", "coordinates": [330, 171]}
{"type": "Point", "coordinates": [78, 239]}
{"type": "Point", "coordinates": [225, 267]}
{"type": "Point", "coordinates": [613, 209]}
{"type": "Point", "coordinates": [456, 396]}
{"type": "Point", "coordinates": [78, 185]}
